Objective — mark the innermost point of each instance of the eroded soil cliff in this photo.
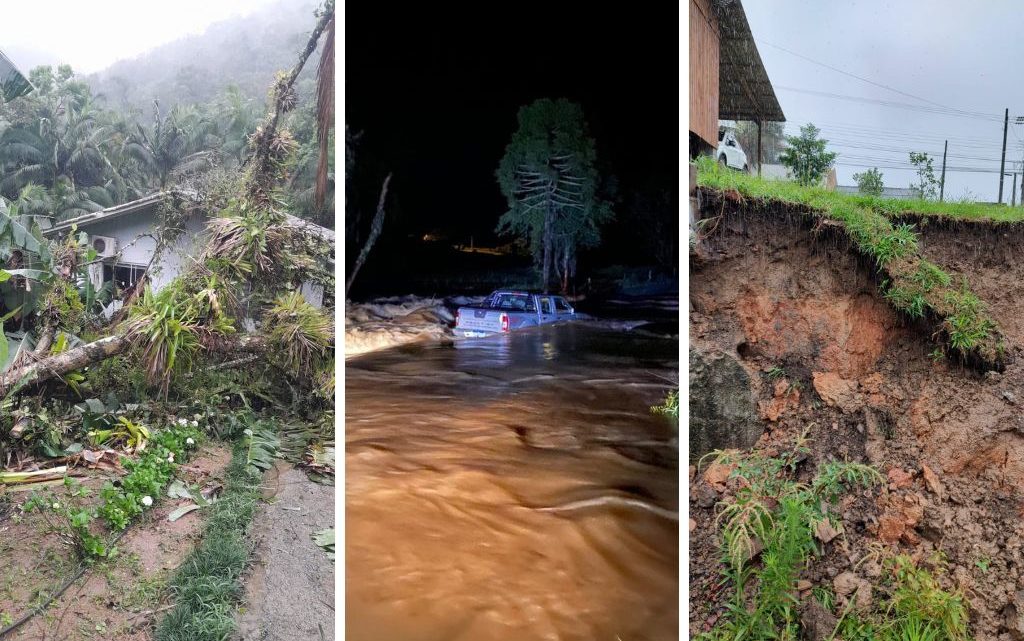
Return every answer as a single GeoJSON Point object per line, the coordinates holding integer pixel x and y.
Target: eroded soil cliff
{"type": "Point", "coordinates": [795, 306]}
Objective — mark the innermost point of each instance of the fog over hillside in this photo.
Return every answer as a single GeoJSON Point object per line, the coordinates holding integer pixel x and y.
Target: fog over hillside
{"type": "Point", "coordinates": [245, 51]}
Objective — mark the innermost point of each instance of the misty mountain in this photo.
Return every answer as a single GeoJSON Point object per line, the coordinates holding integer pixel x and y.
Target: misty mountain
{"type": "Point", "coordinates": [245, 51]}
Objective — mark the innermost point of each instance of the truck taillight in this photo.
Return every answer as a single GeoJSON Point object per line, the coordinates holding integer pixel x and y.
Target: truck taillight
{"type": "Point", "coordinates": [504, 322]}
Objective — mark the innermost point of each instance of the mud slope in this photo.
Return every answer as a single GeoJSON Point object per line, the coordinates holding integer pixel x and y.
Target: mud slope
{"type": "Point", "coordinates": [799, 311]}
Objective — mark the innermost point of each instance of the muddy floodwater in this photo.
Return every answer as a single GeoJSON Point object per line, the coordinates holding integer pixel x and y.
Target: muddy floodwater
{"type": "Point", "coordinates": [513, 488]}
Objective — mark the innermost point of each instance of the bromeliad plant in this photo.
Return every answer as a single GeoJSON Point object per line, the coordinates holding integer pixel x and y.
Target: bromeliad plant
{"type": "Point", "coordinates": [125, 433]}
{"type": "Point", "coordinates": [302, 334]}
{"type": "Point", "coordinates": [171, 326]}
{"type": "Point", "coordinates": [248, 242]}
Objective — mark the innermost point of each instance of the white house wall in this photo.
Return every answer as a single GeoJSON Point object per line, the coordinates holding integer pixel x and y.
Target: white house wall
{"type": "Point", "coordinates": [186, 247]}
{"type": "Point", "coordinates": [128, 228]}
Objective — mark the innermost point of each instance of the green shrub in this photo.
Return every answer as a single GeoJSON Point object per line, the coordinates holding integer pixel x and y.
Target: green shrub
{"type": "Point", "coordinates": [147, 475]}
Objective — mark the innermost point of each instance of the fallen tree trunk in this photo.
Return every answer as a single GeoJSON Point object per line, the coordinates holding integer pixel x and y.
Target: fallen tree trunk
{"type": "Point", "coordinates": [58, 365]}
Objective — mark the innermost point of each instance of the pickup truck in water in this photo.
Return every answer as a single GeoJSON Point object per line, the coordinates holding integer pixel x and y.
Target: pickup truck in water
{"type": "Point", "coordinates": [504, 311]}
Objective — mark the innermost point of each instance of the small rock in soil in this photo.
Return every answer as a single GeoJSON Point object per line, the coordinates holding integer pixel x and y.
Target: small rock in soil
{"type": "Point", "coordinates": [706, 496]}
{"type": "Point", "coordinates": [852, 586]}
{"type": "Point", "coordinates": [846, 583]}
{"type": "Point", "coordinates": [1013, 616]}
{"type": "Point", "coordinates": [717, 474]}
{"type": "Point", "coordinates": [899, 478]}
{"type": "Point", "coordinates": [816, 623]}
{"type": "Point", "coordinates": [931, 481]}
{"type": "Point", "coordinates": [825, 532]}
{"type": "Point", "coordinates": [835, 391]}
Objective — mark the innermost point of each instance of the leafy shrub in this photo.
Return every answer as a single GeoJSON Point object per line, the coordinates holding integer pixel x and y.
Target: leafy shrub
{"type": "Point", "coordinates": [147, 475]}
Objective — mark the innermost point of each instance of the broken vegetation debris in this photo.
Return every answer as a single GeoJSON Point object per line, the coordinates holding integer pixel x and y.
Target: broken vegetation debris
{"type": "Point", "coordinates": [103, 411]}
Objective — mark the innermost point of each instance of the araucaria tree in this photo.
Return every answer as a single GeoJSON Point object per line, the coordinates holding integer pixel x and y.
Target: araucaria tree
{"type": "Point", "coordinates": [549, 177]}
{"type": "Point", "coordinates": [806, 156]}
{"type": "Point", "coordinates": [870, 182]}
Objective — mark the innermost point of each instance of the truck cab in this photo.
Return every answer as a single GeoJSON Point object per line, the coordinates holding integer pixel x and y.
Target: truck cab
{"type": "Point", "coordinates": [507, 310]}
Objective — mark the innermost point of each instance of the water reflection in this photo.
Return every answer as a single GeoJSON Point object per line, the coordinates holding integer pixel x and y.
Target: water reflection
{"type": "Point", "coordinates": [512, 487]}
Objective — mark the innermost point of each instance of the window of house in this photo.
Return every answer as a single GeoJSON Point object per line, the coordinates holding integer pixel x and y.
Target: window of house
{"type": "Point", "coordinates": [124, 275]}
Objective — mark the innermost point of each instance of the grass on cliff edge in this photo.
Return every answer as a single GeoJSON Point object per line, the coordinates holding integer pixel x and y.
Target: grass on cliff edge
{"type": "Point", "coordinates": [912, 284]}
{"type": "Point", "coordinates": [710, 174]}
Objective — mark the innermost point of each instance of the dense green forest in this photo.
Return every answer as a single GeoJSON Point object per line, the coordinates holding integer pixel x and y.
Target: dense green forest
{"type": "Point", "coordinates": [79, 144]}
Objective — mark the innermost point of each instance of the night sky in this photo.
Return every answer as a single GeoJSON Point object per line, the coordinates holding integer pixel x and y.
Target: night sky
{"type": "Point", "coordinates": [436, 89]}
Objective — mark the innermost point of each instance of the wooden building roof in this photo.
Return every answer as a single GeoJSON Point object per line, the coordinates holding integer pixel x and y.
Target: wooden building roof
{"type": "Point", "coordinates": [744, 90]}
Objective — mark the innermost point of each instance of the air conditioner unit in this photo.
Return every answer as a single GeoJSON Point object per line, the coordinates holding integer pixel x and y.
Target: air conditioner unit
{"type": "Point", "coordinates": [105, 246]}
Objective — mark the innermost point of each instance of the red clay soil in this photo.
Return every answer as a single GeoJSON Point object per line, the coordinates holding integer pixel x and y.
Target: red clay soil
{"type": "Point", "coordinates": [772, 294]}
{"type": "Point", "coordinates": [120, 599]}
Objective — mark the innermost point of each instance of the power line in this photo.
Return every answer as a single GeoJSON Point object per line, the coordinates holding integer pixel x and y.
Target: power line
{"type": "Point", "coordinates": [847, 73]}
{"type": "Point", "coordinates": [941, 111]}
{"type": "Point", "coordinates": [905, 151]}
{"type": "Point", "coordinates": [850, 161]}
{"type": "Point", "coordinates": [876, 132]}
{"type": "Point", "coordinates": [873, 137]}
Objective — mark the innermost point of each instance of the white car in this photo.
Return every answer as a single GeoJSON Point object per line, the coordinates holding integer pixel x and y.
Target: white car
{"type": "Point", "coordinates": [729, 152]}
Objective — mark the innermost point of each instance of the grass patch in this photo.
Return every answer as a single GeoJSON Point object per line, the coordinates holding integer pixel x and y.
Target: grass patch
{"type": "Point", "coordinates": [768, 539]}
{"type": "Point", "coordinates": [207, 587]}
{"type": "Point", "coordinates": [710, 175]}
{"type": "Point", "coordinates": [966, 324]}
{"type": "Point", "coordinates": [911, 284]}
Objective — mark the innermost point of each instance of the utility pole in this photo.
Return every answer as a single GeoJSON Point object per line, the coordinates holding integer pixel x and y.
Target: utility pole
{"type": "Point", "coordinates": [1013, 194]}
{"type": "Point", "coordinates": [942, 183]}
{"type": "Point", "coordinates": [759, 155]}
{"type": "Point", "coordinates": [1002, 161]}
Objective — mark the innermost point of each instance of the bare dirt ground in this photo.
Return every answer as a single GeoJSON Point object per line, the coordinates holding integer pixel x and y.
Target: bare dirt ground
{"type": "Point", "coordinates": [290, 591]}
{"type": "Point", "coordinates": [119, 599]}
{"type": "Point", "coordinates": [949, 440]}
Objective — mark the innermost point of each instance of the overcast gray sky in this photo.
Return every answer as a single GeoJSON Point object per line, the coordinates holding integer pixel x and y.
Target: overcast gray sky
{"type": "Point", "coordinates": [91, 35]}
{"type": "Point", "coordinates": [954, 54]}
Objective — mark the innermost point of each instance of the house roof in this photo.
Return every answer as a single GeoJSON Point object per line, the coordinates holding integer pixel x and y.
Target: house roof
{"type": "Point", "coordinates": [145, 204]}
{"type": "Point", "coordinates": [151, 202]}
{"type": "Point", "coordinates": [744, 90]}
